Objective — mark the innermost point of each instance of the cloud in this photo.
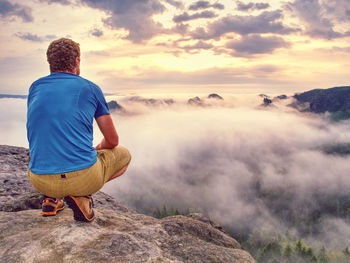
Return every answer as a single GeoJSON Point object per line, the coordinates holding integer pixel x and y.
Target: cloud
{"type": "Point", "coordinates": [244, 7]}
{"type": "Point", "coordinates": [260, 6]}
{"type": "Point", "coordinates": [51, 37]}
{"type": "Point", "coordinates": [341, 49]}
{"type": "Point", "coordinates": [336, 231]}
{"type": "Point", "coordinates": [181, 29]}
{"type": "Point", "coordinates": [267, 22]}
{"type": "Point", "coordinates": [132, 15]}
{"type": "Point", "coordinates": [246, 46]}
{"type": "Point", "coordinates": [62, 2]}
{"type": "Point", "coordinates": [255, 44]}
{"type": "Point", "coordinates": [195, 48]}
{"type": "Point", "coordinates": [177, 4]}
{"type": "Point", "coordinates": [317, 17]}
{"type": "Point", "coordinates": [34, 37]}
{"type": "Point", "coordinates": [8, 9]}
{"type": "Point", "coordinates": [218, 6]}
{"type": "Point", "coordinates": [204, 5]}
{"type": "Point", "coordinates": [237, 164]}
{"type": "Point", "coordinates": [14, 120]}
{"type": "Point", "coordinates": [251, 6]}
{"type": "Point", "coordinates": [338, 10]}
{"type": "Point", "coordinates": [30, 37]}
{"type": "Point", "coordinates": [242, 166]}
{"type": "Point", "coordinates": [262, 75]}
{"type": "Point", "coordinates": [186, 17]}
{"type": "Point", "coordinates": [96, 32]}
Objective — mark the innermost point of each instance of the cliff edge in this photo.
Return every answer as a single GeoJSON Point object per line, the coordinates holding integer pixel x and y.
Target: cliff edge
{"type": "Point", "coordinates": [118, 234]}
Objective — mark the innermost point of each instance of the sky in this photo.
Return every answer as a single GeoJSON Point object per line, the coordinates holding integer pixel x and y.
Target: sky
{"type": "Point", "coordinates": [173, 46]}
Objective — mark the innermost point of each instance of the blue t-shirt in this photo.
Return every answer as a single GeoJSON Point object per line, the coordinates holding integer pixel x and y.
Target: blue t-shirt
{"type": "Point", "coordinates": [60, 112]}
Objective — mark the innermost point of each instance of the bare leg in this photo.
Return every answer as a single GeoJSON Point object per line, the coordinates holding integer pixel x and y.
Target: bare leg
{"type": "Point", "coordinates": [119, 173]}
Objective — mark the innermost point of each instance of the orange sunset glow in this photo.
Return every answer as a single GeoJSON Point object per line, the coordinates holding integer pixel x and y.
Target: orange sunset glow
{"type": "Point", "coordinates": [163, 46]}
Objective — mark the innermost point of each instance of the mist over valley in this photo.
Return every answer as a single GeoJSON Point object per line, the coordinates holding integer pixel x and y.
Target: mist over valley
{"type": "Point", "coordinates": [259, 169]}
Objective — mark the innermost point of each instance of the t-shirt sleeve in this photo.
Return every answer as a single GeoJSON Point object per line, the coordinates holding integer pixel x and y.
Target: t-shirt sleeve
{"type": "Point", "coordinates": [102, 107]}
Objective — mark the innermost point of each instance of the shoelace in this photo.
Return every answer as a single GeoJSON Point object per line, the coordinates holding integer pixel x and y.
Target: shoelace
{"type": "Point", "coordinates": [47, 200]}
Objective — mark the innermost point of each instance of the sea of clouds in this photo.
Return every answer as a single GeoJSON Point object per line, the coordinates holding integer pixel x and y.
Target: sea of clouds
{"type": "Point", "coordinates": [211, 158]}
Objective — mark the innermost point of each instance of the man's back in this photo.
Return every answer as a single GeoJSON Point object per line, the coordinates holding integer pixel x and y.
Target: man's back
{"type": "Point", "coordinates": [61, 108]}
{"type": "Point", "coordinates": [60, 113]}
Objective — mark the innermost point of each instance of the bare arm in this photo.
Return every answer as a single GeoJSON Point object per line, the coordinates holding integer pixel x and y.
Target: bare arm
{"type": "Point", "coordinates": [111, 138]}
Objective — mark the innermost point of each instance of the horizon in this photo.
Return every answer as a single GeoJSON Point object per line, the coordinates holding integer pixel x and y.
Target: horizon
{"type": "Point", "coordinates": [167, 46]}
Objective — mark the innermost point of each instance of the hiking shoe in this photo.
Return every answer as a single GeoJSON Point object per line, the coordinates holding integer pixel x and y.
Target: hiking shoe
{"type": "Point", "coordinates": [50, 206]}
{"type": "Point", "coordinates": [82, 207]}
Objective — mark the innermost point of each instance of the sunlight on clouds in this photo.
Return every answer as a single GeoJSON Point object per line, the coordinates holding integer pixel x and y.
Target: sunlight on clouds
{"type": "Point", "coordinates": [165, 18]}
{"type": "Point", "coordinates": [232, 42]}
{"type": "Point", "coordinates": [205, 59]}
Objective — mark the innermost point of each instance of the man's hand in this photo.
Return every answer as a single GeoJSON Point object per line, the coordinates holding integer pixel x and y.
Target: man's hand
{"type": "Point", "coordinates": [106, 126]}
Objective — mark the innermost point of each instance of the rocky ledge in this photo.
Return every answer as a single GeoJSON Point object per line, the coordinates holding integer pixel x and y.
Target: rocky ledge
{"type": "Point", "coordinates": [118, 234]}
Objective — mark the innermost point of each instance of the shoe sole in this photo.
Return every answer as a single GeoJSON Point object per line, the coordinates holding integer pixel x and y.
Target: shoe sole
{"type": "Point", "coordinates": [53, 213]}
{"type": "Point", "coordinates": [77, 211]}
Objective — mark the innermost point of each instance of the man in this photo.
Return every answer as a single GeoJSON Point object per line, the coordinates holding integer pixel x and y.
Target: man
{"type": "Point", "coordinates": [63, 162]}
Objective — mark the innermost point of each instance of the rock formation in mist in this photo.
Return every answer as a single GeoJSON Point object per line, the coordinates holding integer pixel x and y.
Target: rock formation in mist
{"type": "Point", "coordinates": [340, 149]}
{"type": "Point", "coordinates": [118, 234]}
{"type": "Point", "coordinates": [151, 101]}
{"type": "Point", "coordinates": [281, 97]}
{"type": "Point", "coordinates": [114, 105]}
{"type": "Point", "coordinates": [215, 96]}
{"type": "Point", "coordinates": [266, 102]}
{"type": "Point", "coordinates": [196, 101]}
{"type": "Point", "coordinates": [334, 100]}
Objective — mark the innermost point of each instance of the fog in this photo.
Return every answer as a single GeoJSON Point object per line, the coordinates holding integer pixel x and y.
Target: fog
{"type": "Point", "coordinates": [13, 122]}
{"type": "Point", "coordinates": [221, 158]}
{"type": "Point", "coordinates": [210, 159]}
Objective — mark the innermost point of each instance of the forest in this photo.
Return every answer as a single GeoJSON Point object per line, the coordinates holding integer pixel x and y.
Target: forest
{"type": "Point", "coordinates": [307, 246]}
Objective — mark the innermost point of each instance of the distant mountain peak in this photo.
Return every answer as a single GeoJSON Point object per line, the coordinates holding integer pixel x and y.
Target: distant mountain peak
{"type": "Point", "coordinates": [215, 96]}
{"type": "Point", "coordinates": [333, 100]}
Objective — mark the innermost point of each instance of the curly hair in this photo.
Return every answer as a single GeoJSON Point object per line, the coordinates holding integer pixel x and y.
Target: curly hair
{"type": "Point", "coordinates": [61, 54]}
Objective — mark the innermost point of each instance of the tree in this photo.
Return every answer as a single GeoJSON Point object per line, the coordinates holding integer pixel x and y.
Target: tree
{"type": "Point", "coordinates": [322, 257]}
{"type": "Point", "coordinates": [313, 259]}
{"type": "Point", "coordinates": [299, 247]}
{"type": "Point", "coordinates": [164, 212]}
{"type": "Point", "coordinates": [157, 213]}
{"type": "Point", "coordinates": [287, 253]}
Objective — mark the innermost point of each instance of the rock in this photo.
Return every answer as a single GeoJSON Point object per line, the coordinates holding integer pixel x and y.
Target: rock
{"type": "Point", "coordinates": [151, 101]}
{"type": "Point", "coordinates": [202, 218]}
{"type": "Point", "coordinates": [143, 100]}
{"type": "Point", "coordinates": [113, 105]}
{"type": "Point", "coordinates": [113, 236]}
{"type": "Point", "coordinates": [118, 234]}
{"type": "Point", "coordinates": [196, 101]}
{"type": "Point", "coordinates": [333, 100]}
{"type": "Point", "coordinates": [215, 96]}
{"type": "Point", "coordinates": [267, 102]}
{"type": "Point", "coordinates": [169, 101]}
{"type": "Point", "coordinates": [282, 97]}
{"type": "Point", "coordinates": [338, 149]}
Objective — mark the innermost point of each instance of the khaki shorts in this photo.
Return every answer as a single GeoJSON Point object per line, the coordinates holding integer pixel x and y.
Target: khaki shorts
{"type": "Point", "coordinates": [86, 181]}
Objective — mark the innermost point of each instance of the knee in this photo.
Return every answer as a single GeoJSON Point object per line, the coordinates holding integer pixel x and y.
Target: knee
{"type": "Point", "coordinates": [122, 154]}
